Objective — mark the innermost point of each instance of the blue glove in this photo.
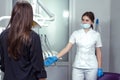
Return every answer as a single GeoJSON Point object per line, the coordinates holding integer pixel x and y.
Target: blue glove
{"type": "Point", "coordinates": [100, 72]}
{"type": "Point", "coordinates": [50, 60]}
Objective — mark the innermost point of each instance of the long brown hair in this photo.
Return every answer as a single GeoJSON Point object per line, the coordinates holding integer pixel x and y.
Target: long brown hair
{"type": "Point", "coordinates": [20, 27]}
{"type": "Point", "coordinates": [90, 15]}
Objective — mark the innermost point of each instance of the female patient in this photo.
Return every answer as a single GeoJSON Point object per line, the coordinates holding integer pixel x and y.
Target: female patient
{"type": "Point", "coordinates": [20, 47]}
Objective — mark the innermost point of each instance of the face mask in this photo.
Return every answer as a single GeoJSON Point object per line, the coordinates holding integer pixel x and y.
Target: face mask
{"type": "Point", "coordinates": [85, 26]}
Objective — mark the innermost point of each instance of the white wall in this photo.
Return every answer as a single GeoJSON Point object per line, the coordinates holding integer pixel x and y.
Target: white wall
{"type": "Point", "coordinates": [114, 36]}
{"type": "Point", "coordinates": [5, 7]}
{"type": "Point", "coordinates": [2, 7]}
{"type": "Point", "coordinates": [5, 10]}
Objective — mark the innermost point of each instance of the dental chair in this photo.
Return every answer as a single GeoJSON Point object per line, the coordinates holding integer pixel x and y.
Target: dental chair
{"type": "Point", "coordinates": [110, 76]}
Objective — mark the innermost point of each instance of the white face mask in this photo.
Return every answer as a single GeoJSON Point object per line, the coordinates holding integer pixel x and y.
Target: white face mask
{"type": "Point", "coordinates": [85, 26]}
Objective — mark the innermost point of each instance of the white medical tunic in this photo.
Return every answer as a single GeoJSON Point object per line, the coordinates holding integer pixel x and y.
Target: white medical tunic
{"type": "Point", "coordinates": [86, 43]}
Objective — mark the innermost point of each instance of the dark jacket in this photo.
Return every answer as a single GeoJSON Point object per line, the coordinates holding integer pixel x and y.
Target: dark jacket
{"type": "Point", "coordinates": [30, 66]}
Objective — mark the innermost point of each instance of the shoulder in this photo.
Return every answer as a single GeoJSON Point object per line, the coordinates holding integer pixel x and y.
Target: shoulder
{"type": "Point", "coordinates": [34, 36]}
{"type": "Point", "coordinates": [95, 32]}
{"type": "Point", "coordinates": [4, 33]}
{"type": "Point", "coordinates": [78, 31]}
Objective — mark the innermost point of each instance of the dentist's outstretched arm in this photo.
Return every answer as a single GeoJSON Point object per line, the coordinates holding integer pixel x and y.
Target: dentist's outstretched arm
{"type": "Point", "coordinates": [50, 60]}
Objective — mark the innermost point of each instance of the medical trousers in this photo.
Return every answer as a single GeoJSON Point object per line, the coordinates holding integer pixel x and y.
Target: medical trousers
{"type": "Point", "coordinates": [84, 74]}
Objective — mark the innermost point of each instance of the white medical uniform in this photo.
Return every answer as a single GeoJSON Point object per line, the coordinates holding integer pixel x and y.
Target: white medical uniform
{"type": "Point", "coordinates": [85, 56]}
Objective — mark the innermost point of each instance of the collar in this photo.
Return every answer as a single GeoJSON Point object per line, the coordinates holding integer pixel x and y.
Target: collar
{"type": "Point", "coordinates": [89, 30]}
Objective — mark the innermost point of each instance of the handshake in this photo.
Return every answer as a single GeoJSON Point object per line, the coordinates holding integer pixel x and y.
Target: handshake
{"type": "Point", "coordinates": [50, 60]}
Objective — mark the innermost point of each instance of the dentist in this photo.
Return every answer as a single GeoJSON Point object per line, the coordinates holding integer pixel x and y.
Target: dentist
{"type": "Point", "coordinates": [88, 60]}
